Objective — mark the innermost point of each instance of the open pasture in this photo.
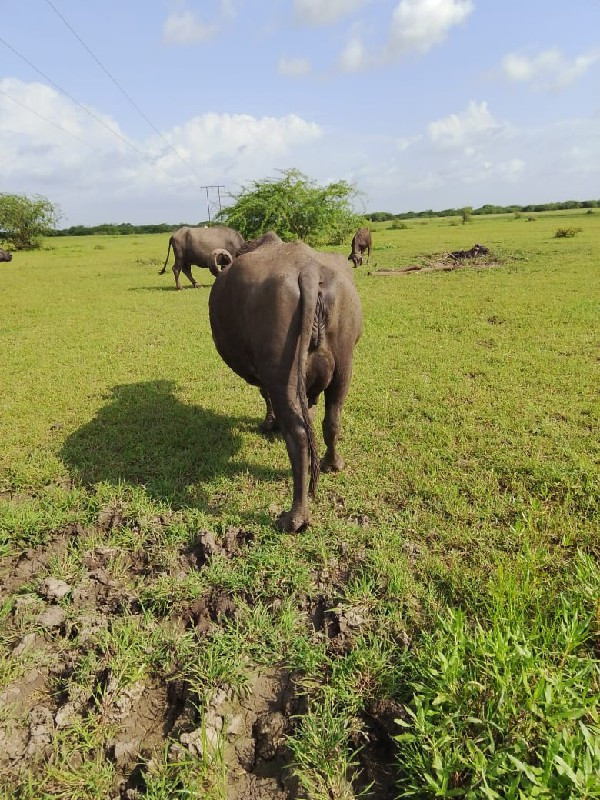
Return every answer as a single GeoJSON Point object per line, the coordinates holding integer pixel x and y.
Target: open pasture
{"type": "Point", "coordinates": [434, 634]}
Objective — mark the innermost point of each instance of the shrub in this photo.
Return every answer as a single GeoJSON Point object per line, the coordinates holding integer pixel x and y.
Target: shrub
{"type": "Point", "coordinates": [566, 233]}
{"type": "Point", "coordinates": [295, 208]}
{"type": "Point", "coordinates": [25, 220]}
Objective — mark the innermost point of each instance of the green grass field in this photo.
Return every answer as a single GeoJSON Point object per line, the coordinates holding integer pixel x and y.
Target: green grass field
{"type": "Point", "coordinates": [436, 633]}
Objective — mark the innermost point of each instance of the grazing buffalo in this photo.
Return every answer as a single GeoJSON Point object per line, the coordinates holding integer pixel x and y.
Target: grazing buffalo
{"type": "Point", "coordinates": [5, 255]}
{"type": "Point", "coordinates": [360, 242]}
{"type": "Point", "coordinates": [286, 318]}
{"type": "Point", "coordinates": [195, 246]}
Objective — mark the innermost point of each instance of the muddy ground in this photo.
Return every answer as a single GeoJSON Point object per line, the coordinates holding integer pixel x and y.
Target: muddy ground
{"type": "Point", "coordinates": [442, 262]}
{"type": "Point", "coordinates": [51, 627]}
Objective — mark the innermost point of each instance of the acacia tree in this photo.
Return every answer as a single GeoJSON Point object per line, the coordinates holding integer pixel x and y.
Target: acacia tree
{"type": "Point", "coordinates": [295, 208]}
{"type": "Point", "coordinates": [24, 220]}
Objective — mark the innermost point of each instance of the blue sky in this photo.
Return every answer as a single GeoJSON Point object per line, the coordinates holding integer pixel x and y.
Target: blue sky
{"type": "Point", "coordinates": [419, 103]}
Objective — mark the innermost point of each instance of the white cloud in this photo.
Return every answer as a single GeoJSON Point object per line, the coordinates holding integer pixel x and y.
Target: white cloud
{"type": "Point", "coordinates": [464, 130]}
{"type": "Point", "coordinates": [228, 9]}
{"type": "Point", "coordinates": [353, 57]}
{"type": "Point", "coordinates": [512, 169]}
{"type": "Point", "coordinates": [418, 25]}
{"type": "Point", "coordinates": [293, 67]}
{"type": "Point", "coordinates": [184, 27]}
{"type": "Point", "coordinates": [547, 70]}
{"type": "Point", "coordinates": [467, 158]}
{"type": "Point", "coordinates": [152, 182]}
{"type": "Point", "coordinates": [239, 136]}
{"type": "Point", "coordinates": [324, 12]}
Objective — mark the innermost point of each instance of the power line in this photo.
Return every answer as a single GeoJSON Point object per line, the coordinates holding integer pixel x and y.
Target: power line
{"type": "Point", "coordinates": [49, 121]}
{"type": "Point", "coordinates": [120, 88]}
{"type": "Point", "coordinates": [218, 187]}
{"type": "Point", "coordinates": [73, 99]}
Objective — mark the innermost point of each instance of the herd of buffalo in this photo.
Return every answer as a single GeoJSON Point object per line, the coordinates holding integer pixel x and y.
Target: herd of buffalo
{"type": "Point", "coordinates": [285, 318]}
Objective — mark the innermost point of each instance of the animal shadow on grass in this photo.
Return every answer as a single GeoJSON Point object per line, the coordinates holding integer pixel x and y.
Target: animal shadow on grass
{"type": "Point", "coordinates": [168, 288]}
{"type": "Point", "coordinates": [146, 436]}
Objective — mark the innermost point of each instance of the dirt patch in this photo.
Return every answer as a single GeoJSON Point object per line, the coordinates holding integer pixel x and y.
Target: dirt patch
{"type": "Point", "coordinates": [18, 570]}
{"type": "Point", "coordinates": [54, 625]}
{"type": "Point", "coordinates": [204, 612]}
{"type": "Point", "coordinates": [478, 257]}
{"type": "Point", "coordinates": [208, 545]}
{"type": "Point", "coordinates": [252, 729]}
{"type": "Point", "coordinates": [58, 635]}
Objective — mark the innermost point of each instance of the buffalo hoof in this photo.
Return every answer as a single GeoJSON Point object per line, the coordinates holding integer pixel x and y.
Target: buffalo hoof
{"type": "Point", "coordinates": [269, 425]}
{"type": "Point", "coordinates": [292, 523]}
{"type": "Point", "coordinates": [332, 464]}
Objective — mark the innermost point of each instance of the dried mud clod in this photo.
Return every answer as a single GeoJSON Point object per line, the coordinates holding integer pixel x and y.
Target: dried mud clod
{"type": "Point", "coordinates": [217, 607]}
{"type": "Point", "coordinates": [340, 625]}
{"type": "Point", "coordinates": [209, 545]}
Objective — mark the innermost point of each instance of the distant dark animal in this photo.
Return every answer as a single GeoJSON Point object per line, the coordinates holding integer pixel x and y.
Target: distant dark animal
{"type": "Point", "coordinates": [286, 318]}
{"type": "Point", "coordinates": [5, 255]}
{"type": "Point", "coordinates": [360, 242]}
{"type": "Point", "coordinates": [195, 246]}
{"type": "Point", "coordinates": [476, 250]}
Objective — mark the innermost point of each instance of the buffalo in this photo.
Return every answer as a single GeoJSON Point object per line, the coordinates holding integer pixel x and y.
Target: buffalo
{"type": "Point", "coordinates": [361, 241]}
{"type": "Point", "coordinates": [5, 255]}
{"type": "Point", "coordinates": [286, 318]}
{"type": "Point", "coordinates": [195, 246]}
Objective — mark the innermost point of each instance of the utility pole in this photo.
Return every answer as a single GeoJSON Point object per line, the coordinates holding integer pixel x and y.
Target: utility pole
{"type": "Point", "coordinates": [216, 186]}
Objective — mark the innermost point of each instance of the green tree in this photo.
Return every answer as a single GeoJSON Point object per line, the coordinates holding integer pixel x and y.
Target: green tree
{"type": "Point", "coordinates": [466, 214]}
{"type": "Point", "coordinates": [295, 208]}
{"type": "Point", "coordinates": [25, 220]}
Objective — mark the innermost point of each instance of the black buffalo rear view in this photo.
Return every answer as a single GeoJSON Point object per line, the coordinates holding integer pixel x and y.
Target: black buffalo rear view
{"type": "Point", "coordinates": [286, 318]}
{"type": "Point", "coordinates": [5, 255]}
{"type": "Point", "coordinates": [195, 246]}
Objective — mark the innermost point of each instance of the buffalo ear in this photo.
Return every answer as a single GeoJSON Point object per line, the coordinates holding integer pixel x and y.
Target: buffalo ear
{"type": "Point", "coordinates": [221, 258]}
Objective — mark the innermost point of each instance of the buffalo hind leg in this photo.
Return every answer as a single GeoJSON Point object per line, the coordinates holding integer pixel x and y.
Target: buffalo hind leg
{"type": "Point", "coordinates": [335, 394]}
{"type": "Point", "coordinates": [187, 271]}
{"type": "Point", "coordinates": [296, 439]}
{"type": "Point", "coordinates": [269, 424]}
{"type": "Point", "coordinates": [176, 271]}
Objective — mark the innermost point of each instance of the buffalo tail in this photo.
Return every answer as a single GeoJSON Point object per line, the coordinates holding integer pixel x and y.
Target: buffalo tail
{"type": "Point", "coordinates": [309, 292]}
{"type": "Point", "coordinates": [162, 271]}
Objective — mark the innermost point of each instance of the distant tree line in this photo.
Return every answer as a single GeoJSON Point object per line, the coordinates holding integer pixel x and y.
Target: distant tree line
{"type": "Point", "coordinates": [292, 204]}
{"type": "Point", "coordinates": [120, 229]}
{"type": "Point", "coordinates": [385, 216]}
